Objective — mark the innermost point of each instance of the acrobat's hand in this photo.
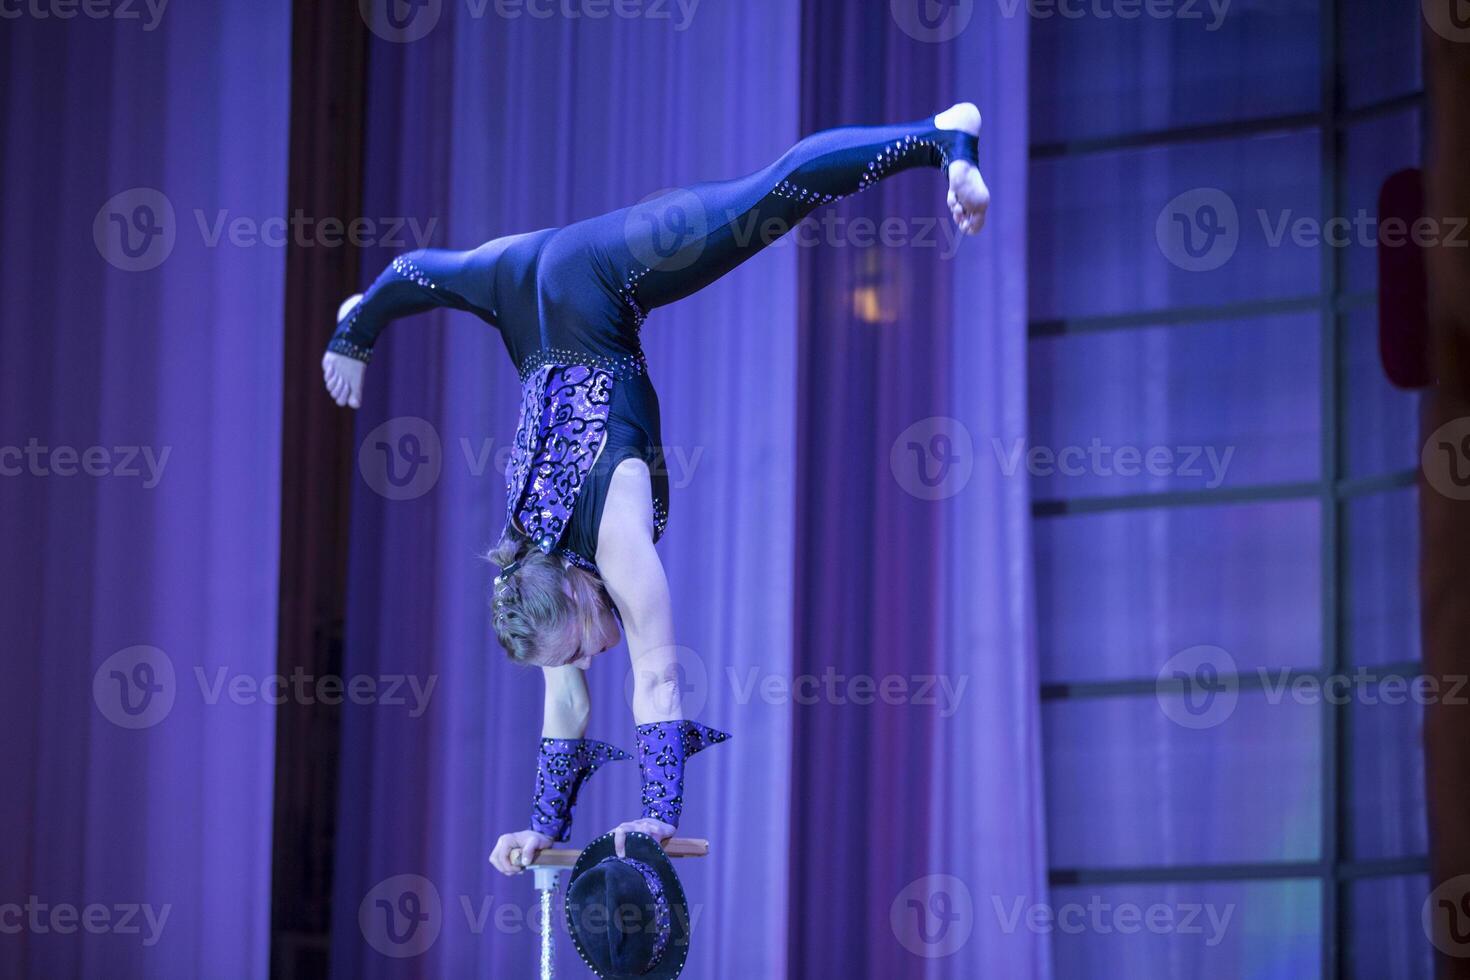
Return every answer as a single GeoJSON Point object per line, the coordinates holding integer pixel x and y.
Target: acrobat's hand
{"type": "Point", "coordinates": [656, 829]}
{"type": "Point", "coordinates": [343, 377]}
{"type": "Point", "coordinates": [530, 844]}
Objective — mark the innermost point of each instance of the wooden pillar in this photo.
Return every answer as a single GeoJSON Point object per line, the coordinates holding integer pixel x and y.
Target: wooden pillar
{"type": "Point", "coordinates": [328, 73]}
{"type": "Point", "coordinates": [1444, 516]}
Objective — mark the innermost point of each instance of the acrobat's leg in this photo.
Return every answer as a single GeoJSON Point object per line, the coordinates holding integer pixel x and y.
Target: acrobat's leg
{"type": "Point", "coordinates": [672, 246]}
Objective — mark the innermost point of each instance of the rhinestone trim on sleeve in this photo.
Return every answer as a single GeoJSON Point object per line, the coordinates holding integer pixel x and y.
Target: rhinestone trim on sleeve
{"type": "Point", "coordinates": [345, 347]}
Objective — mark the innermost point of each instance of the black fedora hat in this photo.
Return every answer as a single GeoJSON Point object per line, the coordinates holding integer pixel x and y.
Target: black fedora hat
{"type": "Point", "coordinates": [628, 916]}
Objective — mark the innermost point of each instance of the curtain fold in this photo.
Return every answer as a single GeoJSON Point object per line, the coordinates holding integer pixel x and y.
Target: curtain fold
{"type": "Point", "coordinates": [139, 446]}
{"type": "Point", "coordinates": [913, 573]}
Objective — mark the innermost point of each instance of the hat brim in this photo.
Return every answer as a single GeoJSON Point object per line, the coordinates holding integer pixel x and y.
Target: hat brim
{"type": "Point", "coordinates": [640, 847]}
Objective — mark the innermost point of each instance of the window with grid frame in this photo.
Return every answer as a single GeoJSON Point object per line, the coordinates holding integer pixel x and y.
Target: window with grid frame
{"type": "Point", "coordinates": [1224, 484]}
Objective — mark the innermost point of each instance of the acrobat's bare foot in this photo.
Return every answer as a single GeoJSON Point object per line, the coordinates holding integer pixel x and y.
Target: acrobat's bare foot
{"type": "Point", "coordinates": [969, 198]}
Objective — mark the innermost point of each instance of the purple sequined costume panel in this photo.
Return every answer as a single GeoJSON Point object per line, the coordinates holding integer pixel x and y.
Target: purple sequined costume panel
{"type": "Point", "coordinates": [562, 429]}
{"type": "Point", "coordinates": [663, 748]}
{"type": "Point", "coordinates": [563, 765]}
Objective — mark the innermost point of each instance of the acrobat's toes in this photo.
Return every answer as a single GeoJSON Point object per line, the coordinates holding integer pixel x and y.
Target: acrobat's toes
{"type": "Point", "coordinates": [969, 198]}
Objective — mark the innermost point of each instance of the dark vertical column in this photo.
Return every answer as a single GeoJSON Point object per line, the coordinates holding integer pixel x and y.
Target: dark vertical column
{"type": "Point", "coordinates": [871, 361]}
{"type": "Point", "coordinates": [1335, 717]}
{"type": "Point", "coordinates": [328, 61]}
{"type": "Point", "coordinates": [1444, 521]}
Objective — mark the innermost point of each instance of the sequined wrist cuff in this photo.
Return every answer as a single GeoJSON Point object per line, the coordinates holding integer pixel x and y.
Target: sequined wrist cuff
{"type": "Point", "coordinates": [345, 347]}
{"type": "Point", "coordinates": [562, 766]}
{"type": "Point", "coordinates": [663, 748]}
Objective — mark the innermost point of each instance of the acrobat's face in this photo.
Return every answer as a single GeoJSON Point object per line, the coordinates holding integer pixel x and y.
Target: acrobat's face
{"type": "Point", "coordinates": [600, 636]}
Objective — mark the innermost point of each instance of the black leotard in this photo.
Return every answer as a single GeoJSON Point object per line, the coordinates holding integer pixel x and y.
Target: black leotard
{"type": "Point", "coordinates": [569, 303]}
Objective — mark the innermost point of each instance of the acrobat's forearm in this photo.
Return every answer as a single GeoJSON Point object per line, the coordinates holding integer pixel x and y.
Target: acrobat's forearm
{"type": "Point", "coordinates": [567, 708]}
{"type": "Point", "coordinates": [566, 759]}
{"type": "Point", "coordinates": [416, 282]}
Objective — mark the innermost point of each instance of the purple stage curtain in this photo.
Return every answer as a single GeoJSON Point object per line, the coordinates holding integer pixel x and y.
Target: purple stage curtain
{"type": "Point", "coordinates": [139, 443]}
{"type": "Point", "coordinates": [913, 557]}
{"type": "Point", "coordinates": [495, 125]}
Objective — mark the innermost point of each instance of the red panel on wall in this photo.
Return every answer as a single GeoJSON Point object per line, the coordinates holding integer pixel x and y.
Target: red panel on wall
{"type": "Point", "coordinates": [1403, 292]}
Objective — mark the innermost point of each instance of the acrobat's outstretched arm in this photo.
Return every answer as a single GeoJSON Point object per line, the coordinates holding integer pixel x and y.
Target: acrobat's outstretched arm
{"type": "Point", "coordinates": [415, 282]}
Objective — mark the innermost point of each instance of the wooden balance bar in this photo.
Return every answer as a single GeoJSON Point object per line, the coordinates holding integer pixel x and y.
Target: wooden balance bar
{"type": "Point", "coordinates": [565, 857]}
